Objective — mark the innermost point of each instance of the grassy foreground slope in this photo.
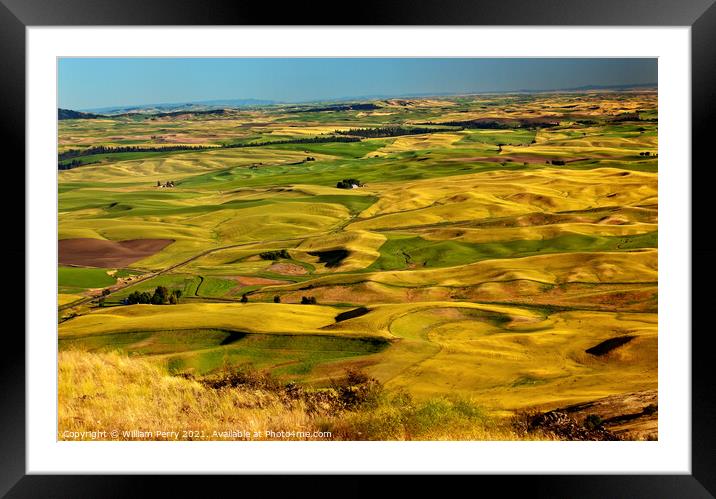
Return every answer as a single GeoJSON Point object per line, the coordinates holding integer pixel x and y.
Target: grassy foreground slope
{"type": "Point", "coordinates": [132, 395]}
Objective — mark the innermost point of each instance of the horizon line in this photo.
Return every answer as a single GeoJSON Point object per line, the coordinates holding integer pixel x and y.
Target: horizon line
{"type": "Point", "coordinates": [272, 102]}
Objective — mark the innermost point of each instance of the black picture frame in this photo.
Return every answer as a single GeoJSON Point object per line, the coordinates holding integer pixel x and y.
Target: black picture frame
{"type": "Point", "coordinates": [700, 15]}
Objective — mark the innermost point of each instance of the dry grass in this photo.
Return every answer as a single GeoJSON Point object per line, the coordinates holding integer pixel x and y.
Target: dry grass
{"type": "Point", "coordinates": [105, 392]}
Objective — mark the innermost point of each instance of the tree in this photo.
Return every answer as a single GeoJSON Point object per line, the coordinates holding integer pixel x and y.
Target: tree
{"type": "Point", "coordinates": [100, 302]}
{"type": "Point", "coordinates": [308, 300]}
{"type": "Point", "coordinates": [105, 291]}
{"type": "Point", "coordinates": [593, 421]}
{"type": "Point", "coordinates": [277, 299]}
{"type": "Point", "coordinates": [137, 297]}
{"type": "Point", "coordinates": [348, 183]}
{"type": "Point", "coordinates": [244, 298]}
{"type": "Point", "coordinates": [162, 294]}
{"type": "Point", "coordinates": [274, 255]}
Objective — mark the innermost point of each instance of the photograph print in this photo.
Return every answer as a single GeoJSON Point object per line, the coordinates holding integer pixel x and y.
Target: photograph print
{"type": "Point", "coordinates": [344, 249]}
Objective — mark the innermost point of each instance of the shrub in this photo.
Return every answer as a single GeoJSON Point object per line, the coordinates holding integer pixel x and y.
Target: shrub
{"type": "Point", "coordinates": [161, 296]}
{"type": "Point", "coordinates": [650, 409]}
{"type": "Point", "coordinates": [246, 376]}
{"type": "Point", "coordinates": [348, 183]}
{"type": "Point", "coordinates": [593, 421]}
{"type": "Point", "coordinates": [357, 390]}
{"type": "Point", "coordinates": [275, 255]}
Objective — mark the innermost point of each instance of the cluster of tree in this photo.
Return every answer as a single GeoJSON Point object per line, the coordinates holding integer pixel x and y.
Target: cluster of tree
{"type": "Point", "coordinates": [556, 162]}
{"type": "Point", "coordinates": [338, 107]}
{"type": "Point", "coordinates": [498, 124]}
{"type": "Point", "coordinates": [179, 113]}
{"type": "Point", "coordinates": [161, 296]}
{"type": "Point", "coordinates": [310, 158]}
{"type": "Point", "coordinates": [275, 255]}
{"type": "Point", "coordinates": [390, 131]}
{"type": "Point", "coordinates": [625, 117]}
{"type": "Point", "coordinates": [481, 124]}
{"type": "Point", "coordinates": [307, 140]}
{"type": "Point", "coordinates": [68, 165]}
{"type": "Point", "coordinates": [89, 151]}
{"type": "Point", "coordinates": [308, 300]}
{"type": "Point", "coordinates": [74, 153]}
{"type": "Point", "coordinates": [169, 183]}
{"type": "Point", "coordinates": [645, 153]}
{"type": "Point", "coordinates": [105, 293]}
{"type": "Point", "coordinates": [348, 183]}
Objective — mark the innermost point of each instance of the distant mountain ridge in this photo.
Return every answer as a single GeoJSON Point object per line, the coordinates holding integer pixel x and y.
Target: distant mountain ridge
{"type": "Point", "coordinates": [177, 106]}
{"type": "Point", "coordinates": [584, 88]}
{"type": "Point", "coordinates": [68, 114]}
{"type": "Point", "coordinates": [217, 105]}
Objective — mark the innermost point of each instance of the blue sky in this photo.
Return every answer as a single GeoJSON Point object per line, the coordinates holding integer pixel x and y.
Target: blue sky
{"type": "Point", "coordinates": [86, 83]}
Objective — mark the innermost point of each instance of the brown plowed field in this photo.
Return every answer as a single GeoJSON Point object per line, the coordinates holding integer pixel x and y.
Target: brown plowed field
{"type": "Point", "coordinates": [108, 254]}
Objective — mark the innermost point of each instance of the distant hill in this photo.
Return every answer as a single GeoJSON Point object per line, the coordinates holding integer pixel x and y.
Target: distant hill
{"type": "Point", "coordinates": [586, 88]}
{"type": "Point", "coordinates": [69, 114]}
{"type": "Point", "coordinates": [207, 105]}
{"type": "Point", "coordinates": [220, 106]}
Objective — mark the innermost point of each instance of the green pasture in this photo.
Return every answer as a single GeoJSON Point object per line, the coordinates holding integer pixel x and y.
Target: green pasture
{"type": "Point", "coordinates": [202, 351]}
{"type": "Point", "coordinates": [402, 251]}
{"type": "Point", "coordinates": [81, 277]}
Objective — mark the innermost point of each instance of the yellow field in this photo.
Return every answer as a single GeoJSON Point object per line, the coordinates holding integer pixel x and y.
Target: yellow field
{"type": "Point", "coordinates": [177, 166]}
{"type": "Point", "coordinates": [503, 368]}
{"type": "Point", "coordinates": [502, 194]}
{"type": "Point", "coordinates": [254, 317]}
{"type": "Point", "coordinates": [418, 142]}
{"type": "Point", "coordinates": [537, 232]}
{"type": "Point", "coordinates": [363, 247]}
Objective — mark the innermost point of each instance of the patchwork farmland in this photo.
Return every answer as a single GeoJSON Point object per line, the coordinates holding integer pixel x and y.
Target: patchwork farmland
{"type": "Point", "coordinates": [491, 256]}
